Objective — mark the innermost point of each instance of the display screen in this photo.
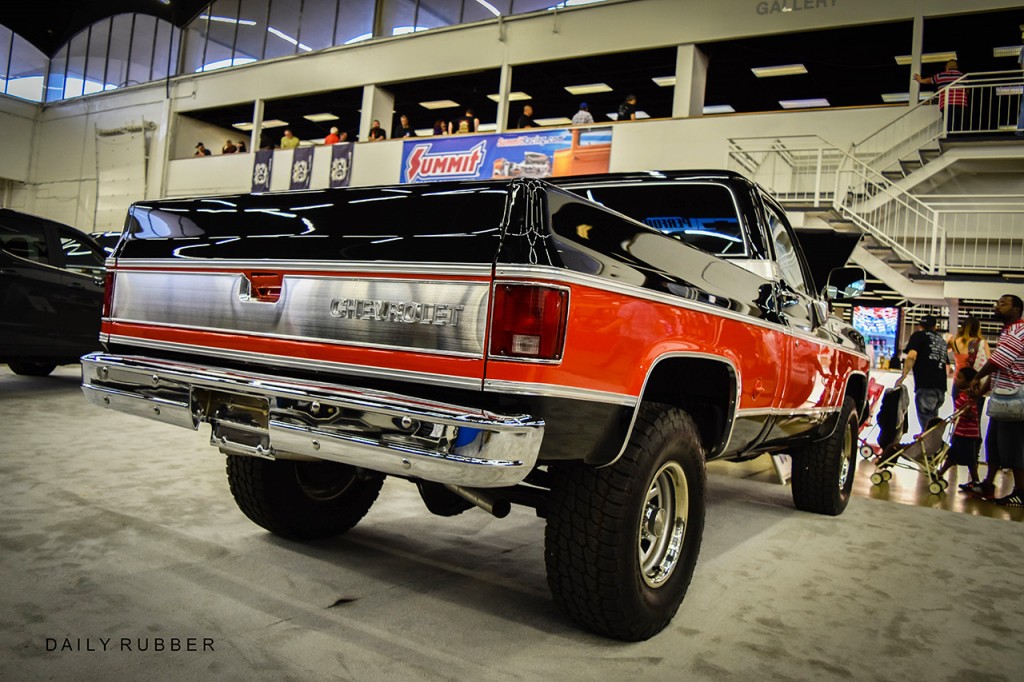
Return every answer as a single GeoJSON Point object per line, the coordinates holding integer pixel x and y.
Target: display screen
{"type": "Point", "coordinates": [875, 321]}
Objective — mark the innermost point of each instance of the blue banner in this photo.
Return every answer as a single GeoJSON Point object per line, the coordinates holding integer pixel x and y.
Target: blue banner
{"type": "Point", "coordinates": [302, 167]}
{"type": "Point", "coordinates": [538, 153]}
{"type": "Point", "coordinates": [262, 165]}
{"type": "Point", "coordinates": [341, 164]}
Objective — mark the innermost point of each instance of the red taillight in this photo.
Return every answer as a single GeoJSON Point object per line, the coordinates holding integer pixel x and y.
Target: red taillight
{"type": "Point", "coordinates": [528, 321]}
{"type": "Point", "coordinates": [108, 293]}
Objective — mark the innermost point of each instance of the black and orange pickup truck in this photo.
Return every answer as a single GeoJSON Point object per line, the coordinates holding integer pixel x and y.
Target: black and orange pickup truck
{"type": "Point", "coordinates": [495, 343]}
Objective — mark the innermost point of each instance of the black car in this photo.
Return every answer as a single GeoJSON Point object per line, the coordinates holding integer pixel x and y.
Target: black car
{"type": "Point", "coordinates": [51, 288]}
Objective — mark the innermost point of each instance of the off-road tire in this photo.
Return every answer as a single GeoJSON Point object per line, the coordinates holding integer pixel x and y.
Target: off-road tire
{"type": "Point", "coordinates": [301, 500]}
{"type": "Point", "coordinates": [600, 531]}
{"type": "Point", "coordinates": [823, 471]}
{"type": "Point", "coordinates": [30, 368]}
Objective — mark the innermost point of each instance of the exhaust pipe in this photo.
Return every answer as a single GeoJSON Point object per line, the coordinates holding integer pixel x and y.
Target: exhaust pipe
{"type": "Point", "coordinates": [497, 508]}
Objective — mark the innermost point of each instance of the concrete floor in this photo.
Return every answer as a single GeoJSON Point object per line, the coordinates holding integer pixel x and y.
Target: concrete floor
{"type": "Point", "coordinates": [118, 534]}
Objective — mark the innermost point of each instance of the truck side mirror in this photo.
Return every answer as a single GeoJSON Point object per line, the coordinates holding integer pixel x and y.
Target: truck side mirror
{"type": "Point", "coordinates": [845, 283]}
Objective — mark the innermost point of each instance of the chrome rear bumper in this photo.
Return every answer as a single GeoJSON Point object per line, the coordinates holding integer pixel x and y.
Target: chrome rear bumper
{"type": "Point", "coordinates": [273, 417]}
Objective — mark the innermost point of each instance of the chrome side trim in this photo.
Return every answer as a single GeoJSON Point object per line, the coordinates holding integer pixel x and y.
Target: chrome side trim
{"type": "Point", "coordinates": [307, 339]}
{"type": "Point", "coordinates": [447, 380]}
{"type": "Point", "coordinates": [268, 416]}
{"type": "Point", "coordinates": [756, 412]}
{"type": "Point", "coordinates": [407, 314]}
{"type": "Point", "coordinates": [349, 267]}
{"type": "Point", "coordinates": [553, 391]}
{"type": "Point", "coordinates": [703, 356]}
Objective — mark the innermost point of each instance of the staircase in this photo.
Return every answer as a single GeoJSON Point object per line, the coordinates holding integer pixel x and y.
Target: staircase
{"type": "Point", "coordinates": [884, 186]}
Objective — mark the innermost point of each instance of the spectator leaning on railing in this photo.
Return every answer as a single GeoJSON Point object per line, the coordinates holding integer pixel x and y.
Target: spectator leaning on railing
{"type": "Point", "coordinates": [954, 98]}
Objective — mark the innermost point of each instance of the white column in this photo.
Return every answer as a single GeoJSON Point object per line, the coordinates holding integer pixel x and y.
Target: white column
{"type": "Point", "coordinates": [916, 47]}
{"type": "Point", "coordinates": [691, 78]}
{"type": "Point", "coordinates": [378, 104]}
{"type": "Point", "coordinates": [954, 314]}
{"type": "Point", "coordinates": [504, 88]}
{"type": "Point", "coordinates": [257, 124]}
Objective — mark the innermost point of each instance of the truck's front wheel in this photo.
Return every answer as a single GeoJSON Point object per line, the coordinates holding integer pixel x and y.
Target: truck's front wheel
{"type": "Point", "coordinates": [301, 500]}
{"type": "Point", "coordinates": [823, 471]}
{"type": "Point", "coordinates": [622, 541]}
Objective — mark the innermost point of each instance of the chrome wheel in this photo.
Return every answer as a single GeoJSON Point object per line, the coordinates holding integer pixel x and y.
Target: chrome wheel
{"type": "Point", "coordinates": [844, 466]}
{"type": "Point", "coordinates": [663, 524]}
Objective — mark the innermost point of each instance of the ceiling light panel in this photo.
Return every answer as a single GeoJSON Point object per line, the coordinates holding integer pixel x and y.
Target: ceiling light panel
{"type": "Point", "coordinates": [588, 89]}
{"type": "Point", "coordinates": [719, 109]}
{"type": "Point", "coordinates": [783, 70]}
{"type": "Point", "coordinates": [319, 118]}
{"type": "Point", "coordinates": [927, 58]}
{"type": "Point", "coordinates": [439, 104]}
{"type": "Point", "coordinates": [812, 103]}
{"type": "Point", "coordinates": [665, 81]}
{"type": "Point", "coordinates": [1008, 51]}
{"type": "Point", "coordinates": [512, 97]}
{"type": "Point", "coordinates": [557, 121]}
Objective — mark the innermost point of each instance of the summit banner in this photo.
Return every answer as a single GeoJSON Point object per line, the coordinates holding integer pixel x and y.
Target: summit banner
{"type": "Point", "coordinates": [538, 153]}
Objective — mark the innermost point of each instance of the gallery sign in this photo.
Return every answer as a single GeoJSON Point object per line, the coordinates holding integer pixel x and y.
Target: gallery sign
{"type": "Point", "coordinates": [780, 6]}
{"type": "Point", "coordinates": [538, 153]}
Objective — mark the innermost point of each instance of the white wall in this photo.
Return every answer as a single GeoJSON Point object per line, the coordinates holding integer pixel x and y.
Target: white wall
{"type": "Point", "coordinates": [17, 121]}
{"type": "Point", "coordinates": [62, 178]}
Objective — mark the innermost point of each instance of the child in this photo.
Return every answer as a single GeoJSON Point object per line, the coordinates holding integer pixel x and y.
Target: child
{"type": "Point", "coordinates": [966, 445]}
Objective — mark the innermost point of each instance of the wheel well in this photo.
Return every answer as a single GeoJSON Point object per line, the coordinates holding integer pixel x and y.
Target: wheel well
{"type": "Point", "coordinates": [705, 388]}
{"type": "Point", "coordinates": [857, 388]}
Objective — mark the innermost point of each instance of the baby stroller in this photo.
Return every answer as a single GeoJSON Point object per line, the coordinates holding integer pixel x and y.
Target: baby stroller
{"type": "Point", "coordinates": [925, 454]}
{"type": "Point", "coordinates": [891, 421]}
{"type": "Point", "coordinates": [875, 391]}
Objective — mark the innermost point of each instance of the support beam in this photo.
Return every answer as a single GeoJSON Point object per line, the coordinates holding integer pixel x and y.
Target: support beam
{"type": "Point", "coordinates": [916, 47]}
{"type": "Point", "coordinates": [257, 125]}
{"type": "Point", "coordinates": [504, 88]}
{"type": "Point", "coordinates": [378, 104]}
{"type": "Point", "coordinates": [691, 79]}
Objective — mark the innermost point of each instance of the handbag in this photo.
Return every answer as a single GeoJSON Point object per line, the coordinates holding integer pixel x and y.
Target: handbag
{"type": "Point", "coordinates": [1006, 404]}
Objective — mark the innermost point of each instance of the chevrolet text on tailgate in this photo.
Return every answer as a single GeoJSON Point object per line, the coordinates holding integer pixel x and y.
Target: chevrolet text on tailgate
{"type": "Point", "coordinates": [494, 343]}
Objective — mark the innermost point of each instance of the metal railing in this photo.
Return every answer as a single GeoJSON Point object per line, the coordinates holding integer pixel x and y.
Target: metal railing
{"type": "Point", "coordinates": [980, 233]}
{"type": "Point", "coordinates": [992, 106]}
{"type": "Point", "coordinates": [795, 168]}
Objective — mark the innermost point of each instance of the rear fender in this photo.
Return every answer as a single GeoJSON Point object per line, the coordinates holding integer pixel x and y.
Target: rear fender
{"type": "Point", "coordinates": [705, 386]}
